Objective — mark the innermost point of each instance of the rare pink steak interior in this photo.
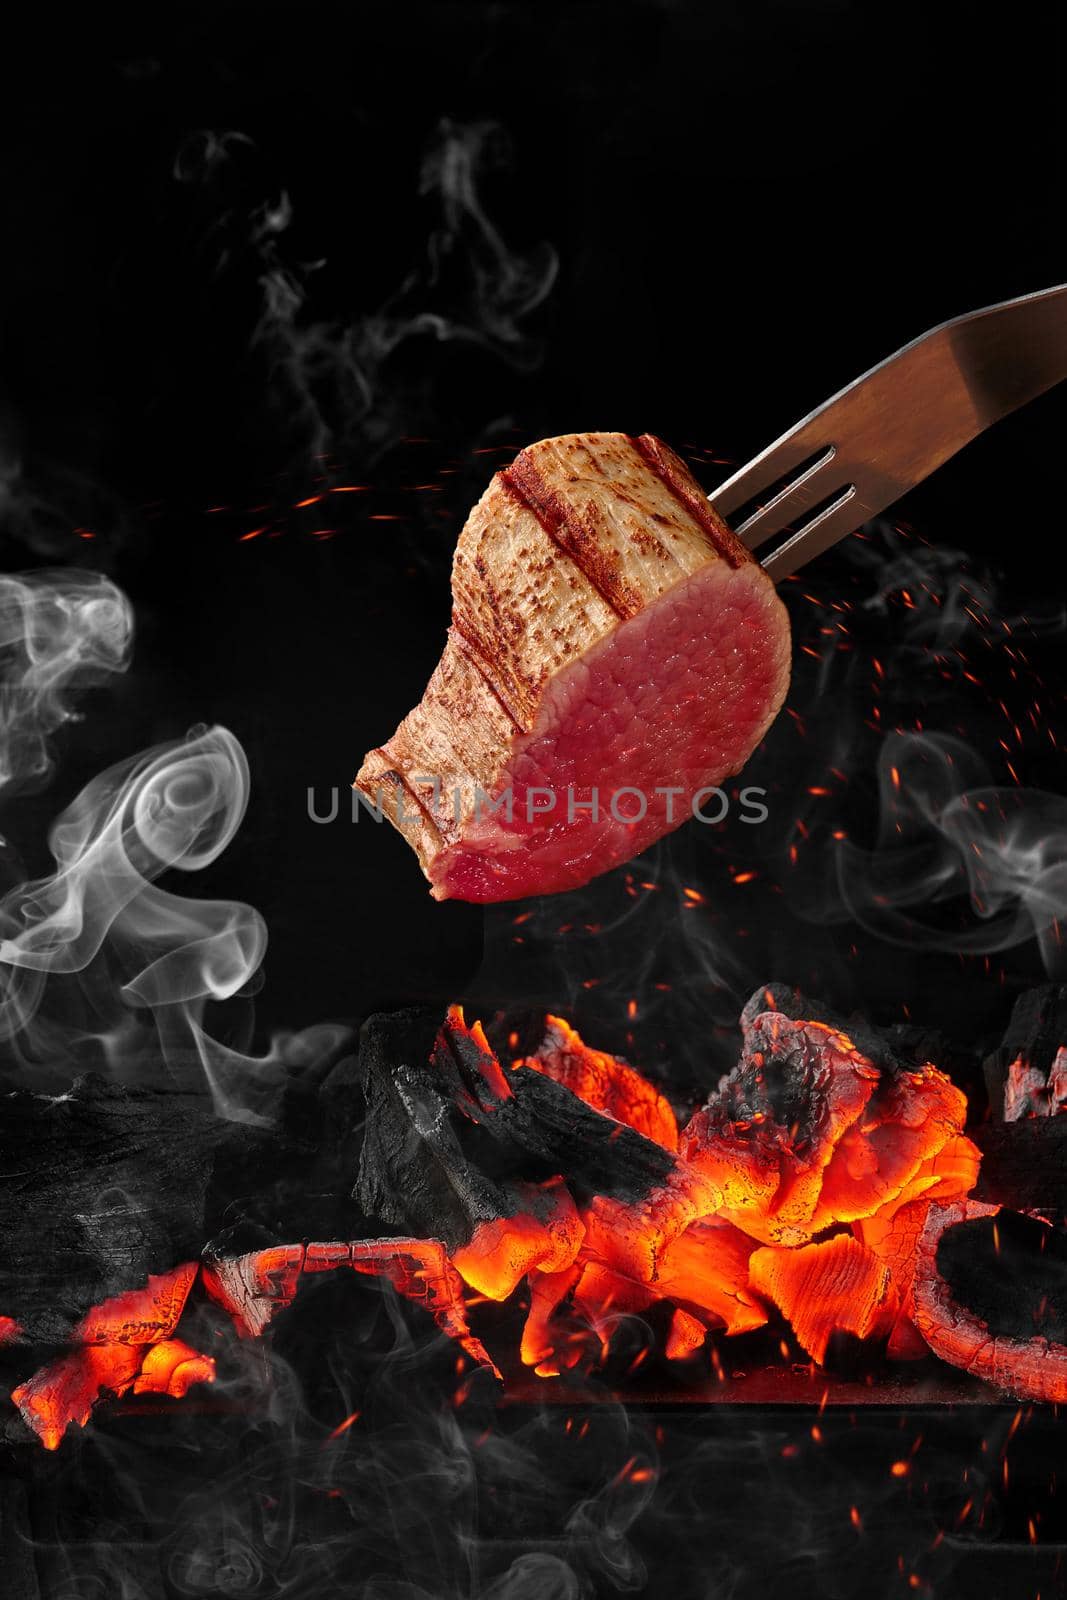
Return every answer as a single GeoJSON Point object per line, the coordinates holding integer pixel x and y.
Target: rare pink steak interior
{"type": "Point", "coordinates": [614, 650]}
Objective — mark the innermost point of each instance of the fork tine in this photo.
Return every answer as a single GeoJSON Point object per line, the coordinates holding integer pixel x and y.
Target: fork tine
{"type": "Point", "coordinates": [800, 492]}
{"type": "Point", "coordinates": [843, 515]}
{"type": "Point", "coordinates": [892, 427]}
{"type": "Point", "coordinates": [778, 462]}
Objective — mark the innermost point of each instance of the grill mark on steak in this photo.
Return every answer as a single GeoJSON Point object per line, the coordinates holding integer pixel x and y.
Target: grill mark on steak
{"type": "Point", "coordinates": [672, 474]}
{"type": "Point", "coordinates": [473, 656]}
{"type": "Point", "coordinates": [399, 780]}
{"type": "Point", "coordinates": [580, 536]}
{"type": "Point", "coordinates": [524, 483]}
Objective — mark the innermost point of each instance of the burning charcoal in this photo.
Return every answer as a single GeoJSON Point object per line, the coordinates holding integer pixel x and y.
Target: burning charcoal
{"type": "Point", "coordinates": [172, 1367]}
{"type": "Point", "coordinates": [139, 1316]}
{"type": "Point", "coordinates": [419, 1270]}
{"type": "Point", "coordinates": [103, 1185]}
{"type": "Point", "coordinates": [703, 1273]}
{"type": "Point", "coordinates": [509, 1139]}
{"type": "Point", "coordinates": [706, 1269]}
{"type": "Point", "coordinates": [253, 1288]}
{"type": "Point", "coordinates": [592, 574]}
{"type": "Point", "coordinates": [413, 1171]}
{"type": "Point", "coordinates": [468, 1153]}
{"type": "Point", "coordinates": [768, 1132]}
{"type": "Point", "coordinates": [786, 1001]}
{"type": "Point", "coordinates": [543, 1125]}
{"type": "Point", "coordinates": [633, 1196]}
{"type": "Point", "coordinates": [604, 1082]}
{"type": "Point", "coordinates": [67, 1389]}
{"type": "Point", "coordinates": [1019, 1072]}
{"type": "Point", "coordinates": [632, 1236]}
{"type": "Point", "coordinates": [991, 1297]}
{"type": "Point", "coordinates": [116, 1346]}
{"type": "Point", "coordinates": [540, 1346]}
{"type": "Point", "coordinates": [574, 1316]}
{"type": "Point", "coordinates": [1028, 1092]}
{"type": "Point", "coordinates": [426, 1166]}
{"type": "Point", "coordinates": [807, 1132]}
{"type": "Point", "coordinates": [898, 1047]}
{"type": "Point", "coordinates": [536, 1122]}
{"type": "Point", "coordinates": [561, 1170]}
{"type": "Point", "coordinates": [893, 1235]}
{"type": "Point", "coordinates": [600, 1299]}
{"type": "Point", "coordinates": [544, 1234]}
{"type": "Point", "coordinates": [686, 1336]}
{"type": "Point", "coordinates": [821, 1289]}
{"type": "Point", "coordinates": [627, 1265]}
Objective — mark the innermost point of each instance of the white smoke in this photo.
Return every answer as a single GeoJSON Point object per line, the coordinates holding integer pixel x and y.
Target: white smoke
{"type": "Point", "coordinates": [147, 961]}
{"type": "Point", "coordinates": [905, 829]}
{"type": "Point", "coordinates": [60, 633]}
{"type": "Point", "coordinates": [331, 377]}
{"type": "Point", "coordinates": [950, 840]}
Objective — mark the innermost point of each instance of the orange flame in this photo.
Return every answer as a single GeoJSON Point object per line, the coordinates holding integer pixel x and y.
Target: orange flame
{"type": "Point", "coordinates": [803, 1186]}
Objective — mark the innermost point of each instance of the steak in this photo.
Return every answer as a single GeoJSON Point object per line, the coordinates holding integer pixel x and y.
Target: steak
{"type": "Point", "coordinates": [610, 638]}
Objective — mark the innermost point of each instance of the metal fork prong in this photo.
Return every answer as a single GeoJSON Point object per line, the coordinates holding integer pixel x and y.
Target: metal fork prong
{"type": "Point", "coordinates": [776, 464]}
{"type": "Point", "coordinates": [843, 515]}
{"type": "Point", "coordinates": [790, 503]}
{"type": "Point", "coordinates": [896, 424]}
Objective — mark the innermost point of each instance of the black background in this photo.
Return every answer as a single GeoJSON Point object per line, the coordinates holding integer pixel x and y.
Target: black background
{"type": "Point", "coordinates": [749, 202]}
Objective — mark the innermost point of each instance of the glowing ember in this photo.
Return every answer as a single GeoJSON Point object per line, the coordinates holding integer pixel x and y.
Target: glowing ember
{"type": "Point", "coordinates": [172, 1367]}
{"type": "Point", "coordinates": [815, 1183]}
{"type": "Point", "coordinates": [604, 1082]}
{"type": "Point", "coordinates": [806, 1132]}
{"type": "Point", "coordinates": [545, 1238]}
{"type": "Point", "coordinates": [806, 1138]}
{"type": "Point", "coordinates": [822, 1289]}
{"type": "Point", "coordinates": [124, 1343]}
{"type": "Point", "coordinates": [254, 1287]}
{"type": "Point", "coordinates": [67, 1389]}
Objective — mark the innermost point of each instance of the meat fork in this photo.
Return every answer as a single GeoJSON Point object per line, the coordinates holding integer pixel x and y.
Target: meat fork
{"type": "Point", "coordinates": [888, 430]}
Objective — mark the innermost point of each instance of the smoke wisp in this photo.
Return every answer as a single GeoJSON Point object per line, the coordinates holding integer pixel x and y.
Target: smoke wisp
{"type": "Point", "coordinates": [334, 380]}
{"type": "Point", "coordinates": [101, 966]}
